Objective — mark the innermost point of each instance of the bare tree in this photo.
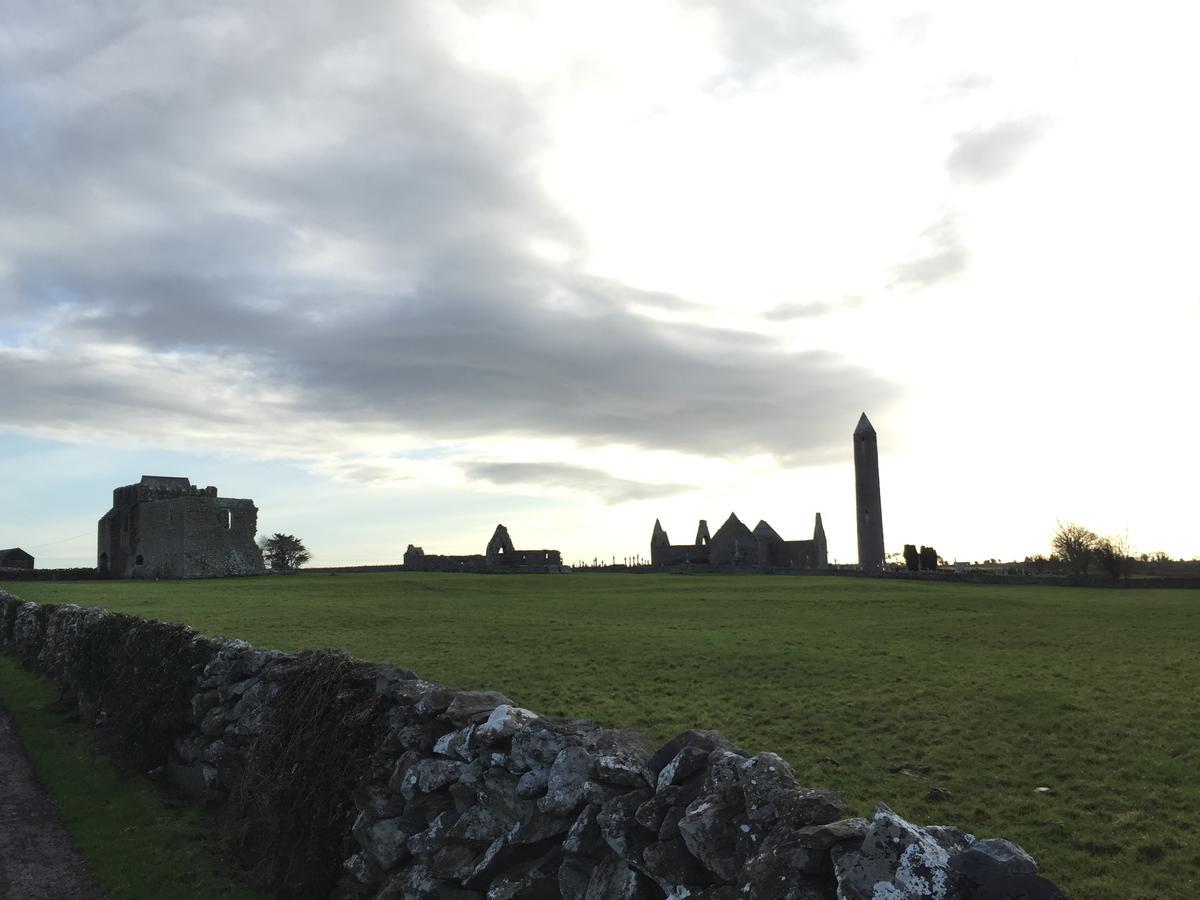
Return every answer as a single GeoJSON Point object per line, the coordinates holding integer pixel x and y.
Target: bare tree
{"type": "Point", "coordinates": [1075, 545]}
{"type": "Point", "coordinates": [1115, 556]}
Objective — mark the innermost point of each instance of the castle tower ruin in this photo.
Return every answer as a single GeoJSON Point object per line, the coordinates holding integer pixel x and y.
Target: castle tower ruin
{"type": "Point", "coordinates": [166, 527]}
{"type": "Point", "coordinates": [866, 491]}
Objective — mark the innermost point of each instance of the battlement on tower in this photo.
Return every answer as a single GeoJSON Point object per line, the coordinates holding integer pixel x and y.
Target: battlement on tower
{"type": "Point", "coordinates": [159, 487]}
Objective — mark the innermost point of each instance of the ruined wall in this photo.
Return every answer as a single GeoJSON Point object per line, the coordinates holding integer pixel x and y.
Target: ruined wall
{"type": "Point", "coordinates": [499, 556]}
{"type": "Point", "coordinates": [796, 555]}
{"type": "Point", "coordinates": [440, 562]}
{"type": "Point", "coordinates": [678, 555]}
{"type": "Point", "coordinates": [525, 562]}
{"type": "Point", "coordinates": [532, 558]}
{"type": "Point", "coordinates": [408, 789]}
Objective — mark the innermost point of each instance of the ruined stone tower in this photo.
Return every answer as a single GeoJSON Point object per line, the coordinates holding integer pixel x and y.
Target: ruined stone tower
{"type": "Point", "coordinates": [866, 492]}
{"type": "Point", "coordinates": [166, 527]}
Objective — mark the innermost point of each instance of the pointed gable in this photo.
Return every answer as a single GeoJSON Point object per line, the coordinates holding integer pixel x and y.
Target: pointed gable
{"type": "Point", "coordinates": [659, 537]}
{"type": "Point", "coordinates": [500, 544]}
{"type": "Point", "coordinates": [765, 531]}
{"type": "Point", "coordinates": [733, 528]}
{"type": "Point", "coordinates": [15, 558]}
{"type": "Point", "coordinates": [733, 544]}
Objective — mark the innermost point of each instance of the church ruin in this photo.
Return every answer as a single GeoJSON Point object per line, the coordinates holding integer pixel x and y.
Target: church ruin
{"type": "Point", "coordinates": [500, 556]}
{"type": "Point", "coordinates": [736, 546]}
{"type": "Point", "coordinates": [166, 527]}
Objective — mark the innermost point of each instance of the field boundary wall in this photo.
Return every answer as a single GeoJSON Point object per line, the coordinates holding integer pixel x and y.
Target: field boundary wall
{"type": "Point", "coordinates": [350, 779]}
{"type": "Point", "coordinates": [77, 574]}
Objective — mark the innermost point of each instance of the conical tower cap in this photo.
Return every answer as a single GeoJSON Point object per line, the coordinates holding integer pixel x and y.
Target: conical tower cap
{"type": "Point", "coordinates": [864, 425]}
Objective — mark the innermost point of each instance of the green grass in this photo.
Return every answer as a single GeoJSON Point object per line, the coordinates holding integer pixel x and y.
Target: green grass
{"type": "Point", "coordinates": [138, 843]}
{"type": "Point", "coordinates": [987, 692]}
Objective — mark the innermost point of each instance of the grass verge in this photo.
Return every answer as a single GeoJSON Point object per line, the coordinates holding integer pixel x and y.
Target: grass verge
{"type": "Point", "coordinates": [138, 842]}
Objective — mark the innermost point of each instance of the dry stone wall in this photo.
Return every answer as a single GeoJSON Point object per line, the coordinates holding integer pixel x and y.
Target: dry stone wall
{"type": "Point", "coordinates": [352, 779]}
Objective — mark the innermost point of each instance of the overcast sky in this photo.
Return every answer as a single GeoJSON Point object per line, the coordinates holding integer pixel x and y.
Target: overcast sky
{"type": "Point", "coordinates": [401, 271]}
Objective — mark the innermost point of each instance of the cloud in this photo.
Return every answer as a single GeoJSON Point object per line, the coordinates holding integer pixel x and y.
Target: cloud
{"type": "Point", "coordinates": [786, 312]}
{"type": "Point", "coordinates": [942, 256]}
{"type": "Point", "coordinates": [989, 153]}
{"type": "Point", "coordinates": [760, 36]}
{"type": "Point", "coordinates": [980, 156]}
{"type": "Point", "coordinates": [284, 227]}
{"type": "Point", "coordinates": [576, 479]}
{"type": "Point", "coordinates": [967, 84]}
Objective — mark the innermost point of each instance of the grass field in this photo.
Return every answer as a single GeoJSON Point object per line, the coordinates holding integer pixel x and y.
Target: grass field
{"type": "Point", "coordinates": [882, 690]}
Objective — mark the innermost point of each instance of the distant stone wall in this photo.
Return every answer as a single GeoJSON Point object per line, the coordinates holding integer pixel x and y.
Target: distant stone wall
{"type": "Point", "coordinates": [354, 779]}
{"type": "Point", "coordinates": [48, 574]}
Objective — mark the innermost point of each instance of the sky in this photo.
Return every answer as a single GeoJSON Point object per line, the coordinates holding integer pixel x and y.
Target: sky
{"type": "Point", "coordinates": [401, 271]}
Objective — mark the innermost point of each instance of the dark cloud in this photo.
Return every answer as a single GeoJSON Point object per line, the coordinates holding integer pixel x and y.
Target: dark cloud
{"type": "Point", "coordinates": [333, 211]}
{"type": "Point", "coordinates": [577, 479]}
{"type": "Point", "coordinates": [989, 153]}
{"type": "Point", "coordinates": [760, 36]}
{"type": "Point", "coordinates": [942, 256]}
{"type": "Point", "coordinates": [786, 312]}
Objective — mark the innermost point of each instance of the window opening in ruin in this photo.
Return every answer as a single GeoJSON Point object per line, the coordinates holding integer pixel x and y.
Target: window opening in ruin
{"type": "Point", "coordinates": [227, 519]}
{"type": "Point", "coordinates": [139, 561]}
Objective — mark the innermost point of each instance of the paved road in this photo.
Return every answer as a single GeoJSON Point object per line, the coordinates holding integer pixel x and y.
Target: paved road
{"type": "Point", "coordinates": [37, 861]}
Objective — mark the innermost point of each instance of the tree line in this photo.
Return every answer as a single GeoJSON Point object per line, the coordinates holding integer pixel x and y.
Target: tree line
{"type": "Point", "coordinates": [1078, 547]}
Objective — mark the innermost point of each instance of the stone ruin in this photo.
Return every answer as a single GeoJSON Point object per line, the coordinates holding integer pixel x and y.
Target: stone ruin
{"type": "Point", "coordinates": [467, 795]}
{"type": "Point", "coordinates": [499, 556]}
{"type": "Point", "coordinates": [166, 527]}
{"type": "Point", "coordinates": [736, 546]}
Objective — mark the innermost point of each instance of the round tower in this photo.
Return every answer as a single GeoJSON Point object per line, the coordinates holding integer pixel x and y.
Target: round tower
{"type": "Point", "coordinates": [866, 491]}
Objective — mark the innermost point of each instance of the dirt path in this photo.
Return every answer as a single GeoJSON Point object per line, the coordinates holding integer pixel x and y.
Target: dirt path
{"type": "Point", "coordinates": [37, 860]}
